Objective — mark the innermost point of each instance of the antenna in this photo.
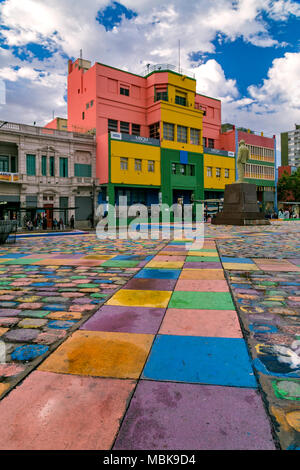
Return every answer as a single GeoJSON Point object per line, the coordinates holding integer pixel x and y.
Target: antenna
{"type": "Point", "coordinates": [179, 56]}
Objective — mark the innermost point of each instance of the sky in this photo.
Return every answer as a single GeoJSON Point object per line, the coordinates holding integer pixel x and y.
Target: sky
{"type": "Point", "coordinates": [244, 52]}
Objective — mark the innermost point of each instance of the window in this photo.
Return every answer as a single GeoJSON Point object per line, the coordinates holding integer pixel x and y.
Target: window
{"type": "Point", "coordinates": [112, 125]}
{"type": "Point", "coordinates": [124, 163]}
{"type": "Point", "coordinates": [92, 103]}
{"type": "Point", "coordinates": [209, 171]}
{"type": "Point", "coordinates": [174, 168]}
{"type": "Point", "coordinates": [52, 167]}
{"type": "Point", "coordinates": [87, 105]}
{"type": "Point", "coordinates": [135, 129]}
{"type": "Point", "coordinates": [161, 94]}
{"type": "Point", "coordinates": [211, 143]}
{"type": "Point", "coordinates": [124, 127]}
{"type": "Point", "coordinates": [151, 164]}
{"type": "Point", "coordinates": [181, 134]}
{"type": "Point", "coordinates": [138, 164]}
{"type": "Point", "coordinates": [168, 131]}
{"type": "Point", "coordinates": [13, 164]}
{"type": "Point", "coordinates": [204, 141]}
{"type": "Point", "coordinates": [4, 163]}
{"type": "Point", "coordinates": [124, 91]}
{"type": "Point", "coordinates": [30, 165]}
{"type": "Point", "coordinates": [44, 165]}
{"type": "Point", "coordinates": [180, 100]}
{"type": "Point", "coordinates": [195, 136]}
{"type": "Point", "coordinates": [154, 131]}
{"type": "Point", "coordinates": [63, 167]}
{"type": "Point", "coordinates": [226, 173]}
{"type": "Point", "coordinates": [218, 172]}
{"type": "Point", "coordinates": [82, 115]}
{"type": "Point", "coordinates": [83, 170]}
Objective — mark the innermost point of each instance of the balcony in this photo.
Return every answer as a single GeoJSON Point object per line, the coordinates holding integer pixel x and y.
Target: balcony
{"type": "Point", "coordinates": [44, 131]}
{"type": "Point", "coordinates": [7, 177]}
{"type": "Point", "coordinates": [167, 68]}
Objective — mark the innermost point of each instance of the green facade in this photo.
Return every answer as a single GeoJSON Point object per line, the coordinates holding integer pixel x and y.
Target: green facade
{"type": "Point", "coordinates": [284, 149]}
{"type": "Point", "coordinates": [172, 183]}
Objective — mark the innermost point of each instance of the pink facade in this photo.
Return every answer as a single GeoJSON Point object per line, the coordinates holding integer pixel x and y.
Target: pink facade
{"type": "Point", "coordinates": [94, 97]}
{"type": "Point", "coordinates": [257, 140]}
{"type": "Point", "coordinates": [211, 118]}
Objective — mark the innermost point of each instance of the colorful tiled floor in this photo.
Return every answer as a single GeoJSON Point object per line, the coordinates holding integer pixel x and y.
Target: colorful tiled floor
{"type": "Point", "coordinates": [164, 356]}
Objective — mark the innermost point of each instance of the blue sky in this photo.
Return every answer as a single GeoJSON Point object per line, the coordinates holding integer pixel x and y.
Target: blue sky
{"type": "Point", "coordinates": [244, 52]}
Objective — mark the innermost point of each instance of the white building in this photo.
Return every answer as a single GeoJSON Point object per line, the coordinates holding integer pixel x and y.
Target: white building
{"type": "Point", "coordinates": [47, 171]}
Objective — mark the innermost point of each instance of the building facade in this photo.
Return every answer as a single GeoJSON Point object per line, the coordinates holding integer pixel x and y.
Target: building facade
{"type": "Point", "coordinates": [157, 138]}
{"type": "Point", "coordinates": [46, 172]}
{"type": "Point", "coordinates": [261, 166]}
{"type": "Point", "coordinates": [290, 147]}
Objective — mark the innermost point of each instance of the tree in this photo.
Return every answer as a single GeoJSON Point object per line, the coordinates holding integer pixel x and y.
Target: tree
{"type": "Point", "coordinates": [288, 187]}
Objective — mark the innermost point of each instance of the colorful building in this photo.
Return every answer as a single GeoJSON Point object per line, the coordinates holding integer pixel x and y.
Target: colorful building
{"type": "Point", "coordinates": [261, 167]}
{"type": "Point", "coordinates": [148, 131]}
{"type": "Point", "coordinates": [157, 139]}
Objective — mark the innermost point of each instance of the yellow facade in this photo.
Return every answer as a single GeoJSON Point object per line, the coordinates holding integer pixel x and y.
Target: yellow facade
{"type": "Point", "coordinates": [218, 164]}
{"type": "Point", "coordinates": [145, 154]}
{"type": "Point", "coordinates": [179, 115]}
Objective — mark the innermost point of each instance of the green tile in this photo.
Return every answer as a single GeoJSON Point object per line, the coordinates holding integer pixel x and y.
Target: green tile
{"type": "Point", "coordinates": [23, 261]}
{"type": "Point", "coordinates": [120, 264]}
{"type": "Point", "coordinates": [34, 313]}
{"type": "Point", "coordinates": [201, 300]}
{"type": "Point", "coordinates": [197, 259]}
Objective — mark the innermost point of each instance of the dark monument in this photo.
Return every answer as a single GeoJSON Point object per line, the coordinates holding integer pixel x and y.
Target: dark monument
{"type": "Point", "coordinates": [240, 200]}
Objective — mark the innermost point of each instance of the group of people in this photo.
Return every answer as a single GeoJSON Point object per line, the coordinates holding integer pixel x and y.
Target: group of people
{"type": "Point", "coordinates": [41, 222]}
{"type": "Point", "coordinates": [288, 213]}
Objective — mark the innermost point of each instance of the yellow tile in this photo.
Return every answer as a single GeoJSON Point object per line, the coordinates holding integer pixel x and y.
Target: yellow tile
{"type": "Point", "coordinates": [165, 264]}
{"type": "Point", "coordinates": [240, 267]}
{"type": "Point", "coordinates": [101, 354]}
{"type": "Point", "coordinates": [203, 253]}
{"type": "Point", "coordinates": [140, 298]}
{"type": "Point", "coordinates": [59, 315]}
{"type": "Point", "coordinates": [3, 387]}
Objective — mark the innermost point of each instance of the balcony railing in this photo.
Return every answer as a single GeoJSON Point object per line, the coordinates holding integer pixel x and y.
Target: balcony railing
{"type": "Point", "coordinates": [167, 68]}
{"type": "Point", "coordinates": [44, 131]}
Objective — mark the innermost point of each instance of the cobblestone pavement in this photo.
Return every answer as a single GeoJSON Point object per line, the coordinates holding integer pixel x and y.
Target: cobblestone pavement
{"type": "Point", "coordinates": [150, 344]}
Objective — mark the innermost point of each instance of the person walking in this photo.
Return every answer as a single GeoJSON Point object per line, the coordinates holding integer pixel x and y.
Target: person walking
{"type": "Point", "coordinates": [72, 221]}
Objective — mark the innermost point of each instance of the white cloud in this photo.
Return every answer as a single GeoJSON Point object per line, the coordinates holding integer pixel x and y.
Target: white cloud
{"type": "Point", "coordinates": [211, 81]}
{"type": "Point", "coordinates": [65, 27]}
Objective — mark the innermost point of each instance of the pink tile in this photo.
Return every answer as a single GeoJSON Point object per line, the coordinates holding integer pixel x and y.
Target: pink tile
{"type": "Point", "coordinates": [194, 322]}
{"type": "Point", "coordinates": [63, 412]}
{"type": "Point", "coordinates": [168, 258]}
{"type": "Point", "coordinates": [202, 285]}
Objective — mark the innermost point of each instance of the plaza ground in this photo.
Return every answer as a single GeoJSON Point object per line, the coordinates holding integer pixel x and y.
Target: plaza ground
{"type": "Point", "coordinates": [152, 344]}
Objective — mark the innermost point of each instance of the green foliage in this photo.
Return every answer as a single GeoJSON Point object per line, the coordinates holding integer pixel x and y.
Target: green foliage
{"type": "Point", "coordinates": [289, 187]}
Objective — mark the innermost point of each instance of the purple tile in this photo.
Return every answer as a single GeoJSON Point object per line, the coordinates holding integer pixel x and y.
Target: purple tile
{"type": "Point", "coordinates": [194, 417]}
{"type": "Point", "coordinates": [151, 284]}
{"type": "Point", "coordinates": [125, 319]}
{"type": "Point", "coordinates": [202, 265]}
{"type": "Point", "coordinates": [9, 312]}
{"type": "Point", "coordinates": [22, 334]}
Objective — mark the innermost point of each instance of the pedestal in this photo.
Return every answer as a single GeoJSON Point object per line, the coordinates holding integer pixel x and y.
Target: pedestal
{"type": "Point", "coordinates": [240, 206]}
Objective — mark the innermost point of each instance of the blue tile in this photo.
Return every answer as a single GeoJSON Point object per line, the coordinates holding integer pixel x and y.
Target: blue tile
{"type": "Point", "coordinates": [13, 255]}
{"type": "Point", "coordinates": [195, 359]}
{"type": "Point", "coordinates": [226, 259]}
{"type": "Point", "coordinates": [152, 273]}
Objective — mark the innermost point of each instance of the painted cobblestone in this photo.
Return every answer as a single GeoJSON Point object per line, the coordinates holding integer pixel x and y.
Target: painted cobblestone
{"type": "Point", "coordinates": [190, 346]}
{"type": "Point", "coordinates": [42, 302]}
